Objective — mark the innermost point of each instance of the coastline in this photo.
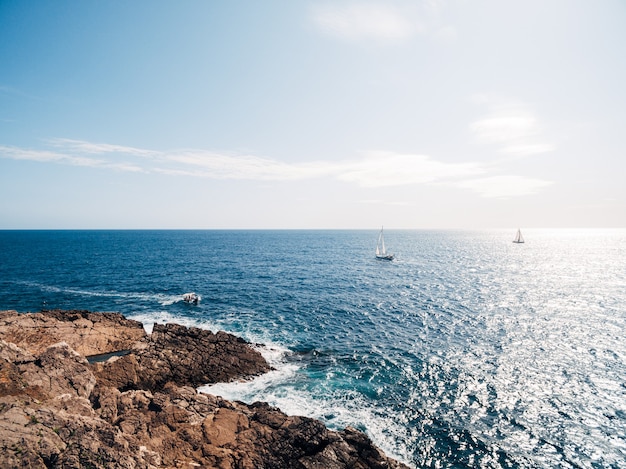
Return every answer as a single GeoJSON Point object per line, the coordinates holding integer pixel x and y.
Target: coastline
{"type": "Point", "coordinates": [140, 407]}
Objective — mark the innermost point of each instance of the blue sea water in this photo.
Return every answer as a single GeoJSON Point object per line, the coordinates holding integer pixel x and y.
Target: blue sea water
{"type": "Point", "coordinates": [465, 351]}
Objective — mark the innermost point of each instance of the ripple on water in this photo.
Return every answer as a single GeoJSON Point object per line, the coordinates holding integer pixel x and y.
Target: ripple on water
{"type": "Point", "coordinates": [467, 351]}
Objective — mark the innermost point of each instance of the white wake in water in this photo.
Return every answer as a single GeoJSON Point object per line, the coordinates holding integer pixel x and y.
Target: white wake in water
{"type": "Point", "coordinates": [162, 299]}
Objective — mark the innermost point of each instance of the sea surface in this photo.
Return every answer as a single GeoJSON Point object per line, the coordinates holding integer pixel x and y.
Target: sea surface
{"type": "Point", "coordinates": [467, 350]}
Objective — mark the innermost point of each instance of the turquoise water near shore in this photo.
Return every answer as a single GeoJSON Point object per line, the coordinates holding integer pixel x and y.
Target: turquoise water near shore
{"type": "Point", "coordinates": [465, 351]}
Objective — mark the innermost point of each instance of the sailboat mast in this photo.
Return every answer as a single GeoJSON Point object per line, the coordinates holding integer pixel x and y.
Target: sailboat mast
{"type": "Point", "coordinates": [381, 249]}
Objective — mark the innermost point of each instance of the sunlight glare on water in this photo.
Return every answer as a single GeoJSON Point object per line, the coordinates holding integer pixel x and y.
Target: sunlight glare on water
{"type": "Point", "coordinates": [466, 351]}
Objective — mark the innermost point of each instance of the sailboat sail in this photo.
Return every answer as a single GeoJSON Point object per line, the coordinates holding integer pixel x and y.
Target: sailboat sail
{"type": "Point", "coordinates": [381, 250]}
{"type": "Point", "coordinates": [518, 237]}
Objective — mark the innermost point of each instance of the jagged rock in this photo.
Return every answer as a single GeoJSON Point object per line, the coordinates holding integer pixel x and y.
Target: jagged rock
{"type": "Point", "coordinates": [86, 332]}
{"type": "Point", "coordinates": [57, 371]}
{"type": "Point", "coordinates": [185, 427]}
{"type": "Point", "coordinates": [185, 356]}
{"type": "Point", "coordinates": [56, 413]}
{"type": "Point", "coordinates": [193, 356]}
{"type": "Point", "coordinates": [46, 417]}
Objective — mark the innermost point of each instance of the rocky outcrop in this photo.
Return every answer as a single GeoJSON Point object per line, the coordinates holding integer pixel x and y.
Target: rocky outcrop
{"type": "Point", "coordinates": [184, 356]}
{"type": "Point", "coordinates": [58, 410]}
{"type": "Point", "coordinates": [47, 418]}
{"type": "Point", "coordinates": [86, 332]}
{"type": "Point", "coordinates": [172, 353]}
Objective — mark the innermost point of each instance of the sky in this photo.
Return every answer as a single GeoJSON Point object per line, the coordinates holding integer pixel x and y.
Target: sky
{"type": "Point", "coordinates": [433, 114]}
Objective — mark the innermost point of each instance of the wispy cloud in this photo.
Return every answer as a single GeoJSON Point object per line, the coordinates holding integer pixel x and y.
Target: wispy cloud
{"type": "Point", "coordinates": [527, 148]}
{"type": "Point", "coordinates": [511, 125]}
{"type": "Point", "coordinates": [379, 169]}
{"type": "Point", "coordinates": [371, 170]}
{"type": "Point", "coordinates": [97, 148]}
{"type": "Point", "coordinates": [226, 166]}
{"type": "Point", "coordinates": [363, 20]}
{"type": "Point", "coordinates": [504, 186]}
{"type": "Point", "coordinates": [18, 93]}
{"type": "Point", "coordinates": [504, 128]}
{"type": "Point", "coordinates": [45, 156]}
{"type": "Point", "coordinates": [381, 21]}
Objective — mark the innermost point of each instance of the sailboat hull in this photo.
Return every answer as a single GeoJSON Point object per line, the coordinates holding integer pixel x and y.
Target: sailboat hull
{"type": "Point", "coordinates": [386, 257]}
{"type": "Point", "coordinates": [381, 251]}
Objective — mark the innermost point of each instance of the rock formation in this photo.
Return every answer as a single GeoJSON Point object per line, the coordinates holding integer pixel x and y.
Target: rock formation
{"type": "Point", "coordinates": [86, 332]}
{"type": "Point", "coordinates": [184, 356]}
{"type": "Point", "coordinates": [141, 410]}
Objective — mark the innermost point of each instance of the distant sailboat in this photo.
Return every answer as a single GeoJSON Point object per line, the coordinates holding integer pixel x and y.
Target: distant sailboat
{"type": "Point", "coordinates": [518, 237]}
{"type": "Point", "coordinates": [381, 251]}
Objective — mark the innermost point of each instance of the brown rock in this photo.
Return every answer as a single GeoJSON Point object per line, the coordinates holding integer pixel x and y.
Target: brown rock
{"type": "Point", "coordinates": [47, 419]}
{"type": "Point", "coordinates": [56, 413]}
{"type": "Point", "coordinates": [185, 427]}
{"type": "Point", "coordinates": [184, 356]}
{"type": "Point", "coordinates": [86, 332]}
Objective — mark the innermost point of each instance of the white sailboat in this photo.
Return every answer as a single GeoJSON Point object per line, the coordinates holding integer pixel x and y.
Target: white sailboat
{"type": "Point", "coordinates": [518, 237]}
{"type": "Point", "coordinates": [381, 250]}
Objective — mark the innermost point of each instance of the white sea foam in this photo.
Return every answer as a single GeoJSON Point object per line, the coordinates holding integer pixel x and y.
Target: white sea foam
{"type": "Point", "coordinates": [150, 318]}
{"type": "Point", "coordinates": [273, 352]}
{"type": "Point", "coordinates": [289, 388]}
{"type": "Point", "coordinates": [283, 388]}
{"type": "Point", "coordinates": [253, 390]}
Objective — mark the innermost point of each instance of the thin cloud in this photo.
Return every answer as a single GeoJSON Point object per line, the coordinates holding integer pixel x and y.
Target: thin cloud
{"type": "Point", "coordinates": [12, 91]}
{"type": "Point", "coordinates": [511, 126]}
{"type": "Point", "coordinates": [97, 148]}
{"type": "Point", "coordinates": [504, 186]}
{"type": "Point", "coordinates": [363, 20]}
{"type": "Point", "coordinates": [528, 149]}
{"type": "Point", "coordinates": [372, 170]}
{"type": "Point", "coordinates": [44, 156]}
{"type": "Point", "coordinates": [224, 166]}
{"type": "Point", "coordinates": [504, 128]}
{"type": "Point", "coordinates": [391, 22]}
{"type": "Point", "coordinates": [380, 169]}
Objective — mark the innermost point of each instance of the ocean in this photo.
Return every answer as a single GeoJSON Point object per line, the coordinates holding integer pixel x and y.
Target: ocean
{"type": "Point", "coordinates": [466, 351]}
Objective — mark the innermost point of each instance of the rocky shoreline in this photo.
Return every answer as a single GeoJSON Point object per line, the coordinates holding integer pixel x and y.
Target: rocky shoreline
{"type": "Point", "coordinates": [140, 408]}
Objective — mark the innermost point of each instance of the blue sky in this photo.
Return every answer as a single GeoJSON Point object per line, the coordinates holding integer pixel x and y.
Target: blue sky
{"type": "Point", "coordinates": [312, 114]}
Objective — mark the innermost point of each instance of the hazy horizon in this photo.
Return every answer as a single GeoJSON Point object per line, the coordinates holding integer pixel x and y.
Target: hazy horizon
{"type": "Point", "coordinates": [434, 114]}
